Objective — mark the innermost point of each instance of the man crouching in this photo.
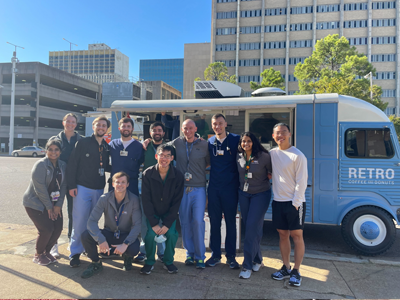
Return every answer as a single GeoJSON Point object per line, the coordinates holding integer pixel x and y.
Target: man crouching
{"type": "Point", "coordinates": [122, 223]}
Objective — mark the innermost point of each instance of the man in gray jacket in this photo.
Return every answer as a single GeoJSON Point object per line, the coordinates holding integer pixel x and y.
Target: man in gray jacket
{"type": "Point", "coordinates": [122, 223]}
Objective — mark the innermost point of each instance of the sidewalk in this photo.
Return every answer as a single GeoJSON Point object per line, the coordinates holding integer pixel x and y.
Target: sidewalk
{"type": "Point", "coordinates": [324, 277]}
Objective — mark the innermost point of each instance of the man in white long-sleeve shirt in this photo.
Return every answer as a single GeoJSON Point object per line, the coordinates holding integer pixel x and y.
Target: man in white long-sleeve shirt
{"type": "Point", "coordinates": [289, 183]}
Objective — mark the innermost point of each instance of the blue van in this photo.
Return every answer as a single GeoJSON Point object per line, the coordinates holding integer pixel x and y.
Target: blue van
{"type": "Point", "coordinates": [351, 147]}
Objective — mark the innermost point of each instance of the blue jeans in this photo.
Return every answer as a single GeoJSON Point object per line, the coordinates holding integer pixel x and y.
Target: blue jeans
{"type": "Point", "coordinates": [191, 216]}
{"type": "Point", "coordinates": [83, 205]}
{"type": "Point", "coordinates": [160, 246]}
{"type": "Point", "coordinates": [253, 208]}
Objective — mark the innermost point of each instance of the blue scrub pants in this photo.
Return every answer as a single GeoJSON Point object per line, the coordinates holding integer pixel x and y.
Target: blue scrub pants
{"type": "Point", "coordinates": [223, 201]}
{"type": "Point", "coordinates": [253, 208]}
{"type": "Point", "coordinates": [191, 216]}
{"type": "Point", "coordinates": [83, 205]}
{"type": "Point", "coordinates": [160, 246]}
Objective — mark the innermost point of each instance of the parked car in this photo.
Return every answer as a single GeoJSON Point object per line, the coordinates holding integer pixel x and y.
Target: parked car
{"type": "Point", "coordinates": [29, 151]}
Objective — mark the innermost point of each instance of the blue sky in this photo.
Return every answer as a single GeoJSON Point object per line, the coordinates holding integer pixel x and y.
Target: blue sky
{"type": "Point", "coordinates": [141, 29]}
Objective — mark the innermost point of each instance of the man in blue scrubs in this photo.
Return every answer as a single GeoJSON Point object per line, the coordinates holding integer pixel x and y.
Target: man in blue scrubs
{"type": "Point", "coordinates": [126, 155]}
{"type": "Point", "coordinates": [223, 191]}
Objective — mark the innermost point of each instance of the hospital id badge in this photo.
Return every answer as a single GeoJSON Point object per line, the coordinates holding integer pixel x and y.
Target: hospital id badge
{"type": "Point", "coordinates": [220, 152]}
{"type": "Point", "coordinates": [101, 171]}
{"type": "Point", "coordinates": [123, 153]}
{"type": "Point", "coordinates": [249, 175]}
{"type": "Point", "coordinates": [245, 187]}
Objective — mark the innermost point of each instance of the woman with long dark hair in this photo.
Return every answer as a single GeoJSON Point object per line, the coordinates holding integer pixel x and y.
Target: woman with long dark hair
{"type": "Point", "coordinates": [43, 201]}
{"type": "Point", "coordinates": [254, 166]}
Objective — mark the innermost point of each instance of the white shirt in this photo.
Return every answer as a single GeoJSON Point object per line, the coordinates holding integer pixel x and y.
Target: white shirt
{"type": "Point", "coordinates": [289, 177]}
{"type": "Point", "coordinates": [127, 143]}
{"type": "Point", "coordinates": [221, 140]}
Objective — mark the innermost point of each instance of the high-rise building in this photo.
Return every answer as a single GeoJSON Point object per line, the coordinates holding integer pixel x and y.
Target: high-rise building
{"type": "Point", "coordinates": [98, 64]}
{"type": "Point", "coordinates": [161, 91]}
{"type": "Point", "coordinates": [253, 35]}
{"type": "Point", "coordinates": [168, 70]}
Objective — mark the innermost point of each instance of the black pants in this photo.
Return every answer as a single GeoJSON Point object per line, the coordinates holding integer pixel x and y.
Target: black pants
{"type": "Point", "coordinates": [70, 202]}
{"type": "Point", "coordinates": [90, 244]}
{"type": "Point", "coordinates": [48, 230]}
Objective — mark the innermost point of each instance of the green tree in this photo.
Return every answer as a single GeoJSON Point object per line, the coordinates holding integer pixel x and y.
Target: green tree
{"type": "Point", "coordinates": [270, 78]}
{"type": "Point", "coordinates": [337, 67]}
{"type": "Point", "coordinates": [217, 71]}
{"type": "Point", "coordinates": [396, 121]}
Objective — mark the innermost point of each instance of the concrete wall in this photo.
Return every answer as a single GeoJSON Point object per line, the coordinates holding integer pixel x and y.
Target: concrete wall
{"type": "Point", "coordinates": [197, 57]}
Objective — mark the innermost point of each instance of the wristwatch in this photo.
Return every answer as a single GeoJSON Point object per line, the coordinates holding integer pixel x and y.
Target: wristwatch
{"type": "Point", "coordinates": [126, 242]}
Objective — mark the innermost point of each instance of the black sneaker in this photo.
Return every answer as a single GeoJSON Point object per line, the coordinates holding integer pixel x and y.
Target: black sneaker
{"type": "Point", "coordinates": [127, 262]}
{"type": "Point", "coordinates": [281, 274]}
{"type": "Point", "coordinates": [213, 261]}
{"type": "Point", "coordinates": [92, 269]}
{"type": "Point", "coordinates": [172, 269]}
{"type": "Point", "coordinates": [74, 261]}
{"type": "Point", "coordinates": [295, 278]}
{"type": "Point", "coordinates": [233, 264]}
{"type": "Point", "coordinates": [141, 257]}
{"type": "Point", "coordinates": [146, 269]}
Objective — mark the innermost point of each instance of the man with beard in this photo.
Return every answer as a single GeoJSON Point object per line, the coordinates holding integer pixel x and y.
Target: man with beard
{"type": "Point", "coordinates": [86, 180]}
{"type": "Point", "coordinates": [126, 155]}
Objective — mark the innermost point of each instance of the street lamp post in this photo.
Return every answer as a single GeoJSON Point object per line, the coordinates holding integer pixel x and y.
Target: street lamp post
{"type": "Point", "coordinates": [369, 75]}
{"type": "Point", "coordinates": [14, 61]}
{"type": "Point", "coordinates": [69, 54]}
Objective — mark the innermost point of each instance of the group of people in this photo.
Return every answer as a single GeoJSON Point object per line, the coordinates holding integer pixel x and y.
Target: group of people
{"type": "Point", "coordinates": [139, 226]}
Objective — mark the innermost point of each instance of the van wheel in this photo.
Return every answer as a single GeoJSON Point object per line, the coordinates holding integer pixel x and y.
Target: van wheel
{"type": "Point", "coordinates": [16, 154]}
{"type": "Point", "coordinates": [34, 154]}
{"type": "Point", "coordinates": [369, 230]}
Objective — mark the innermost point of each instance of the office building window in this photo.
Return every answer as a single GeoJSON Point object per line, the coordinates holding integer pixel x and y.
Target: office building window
{"type": "Point", "coordinates": [301, 10]}
{"type": "Point", "coordinates": [356, 6]}
{"type": "Point", "coordinates": [250, 13]}
{"type": "Point", "coordinates": [247, 94]}
{"type": "Point", "coordinates": [274, 61]}
{"type": "Point", "coordinates": [292, 78]}
{"type": "Point", "coordinates": [328, 25]}
{"type": "Point", "coordinates": [226, 31]}
{"type": "Point", "coordinates": [275, 28]}
{"type": "Point", "coordinates": [358, 41]}
{"type": "Point", "coordinates": [385, 75]}
{"type": "Point", "coordinates": [250, 29]}
{"type": "Point", "coordinates": [296, 60]}
{"type": "Point", "coordinates": [355, 24]}
{"type": "Point", "coordinates": [225, 47]}
{"type": "Point", "coordinates": [383, 40]}
{"type": "Point", "coordinates": [275, 45]}
{"type": "Point", "coordinates": [229, 62]}
{"type": "Point", "coordinates": [388, 93]}
{"type": "Point", "coordinates": [250, 46]}
{"type": "Point", "coordinates": [301, 44]}
{"type": "Point", "coordinates": [384, 5]}
{"type": "Point", "coordinates": [291, 92]}
{"type": "Point", "coordinates": [248, 78]}
{"type": "Point", "coordinates": [383, 22]}
{"type": "Point", "coordinates": [275, 11]}
{"type": "Point", "coordinates": [225, 1]}
{"type": "Point", "coordinates": [249, 62]}
{"type": "Point", "coordinates": [301, 26]}
{"type": "Point", "coordinates": [383, 57]}
{"type": "Point", "coordinates": [390, 111]}
{"type": "Point", "coordinates": [227, 15]}
{"type": "Point", "coordinates": [328, 8]}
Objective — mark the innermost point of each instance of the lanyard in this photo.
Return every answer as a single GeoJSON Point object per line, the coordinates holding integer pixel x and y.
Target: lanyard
{"type": "Point", "coordinates": [248, 162]}
{"type": "Point", "coordinates": [101, 155]}
{"type": "Point", "coordinates": [220, 146]}
{"type": "Point", "coordinates": [117, 218]}
{"type": "Point", "coordinates": [188, 153]}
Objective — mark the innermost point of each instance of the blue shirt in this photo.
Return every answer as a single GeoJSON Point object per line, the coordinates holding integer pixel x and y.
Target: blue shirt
{"type": "Point", "coordinates": [224, 172]}
{"type": "Point", "coordinates": [129, 164]}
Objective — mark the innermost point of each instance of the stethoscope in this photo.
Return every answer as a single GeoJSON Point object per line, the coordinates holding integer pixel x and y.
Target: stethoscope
{"type": "Point", "coordinates": [216, 145]}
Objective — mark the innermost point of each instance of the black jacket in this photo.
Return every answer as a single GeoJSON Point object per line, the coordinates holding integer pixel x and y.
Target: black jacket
{"type": "Point", "coordinates": [66, 147]}
{"type": "Point", "coordinates": [84, 164]}
{"type": "Point", "coordinates": [162, 200]}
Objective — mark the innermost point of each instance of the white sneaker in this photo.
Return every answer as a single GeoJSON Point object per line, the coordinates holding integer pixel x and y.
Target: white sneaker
{"type": "Point", "coordinates": [257, 267]}
{"type": "Point", "coordinates": [54, 251]}
{"type": "Point", "coordinates": [245, 274]}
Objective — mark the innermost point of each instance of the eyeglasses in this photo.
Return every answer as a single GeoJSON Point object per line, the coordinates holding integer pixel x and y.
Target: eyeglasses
{"type": "Point", "coordinates": [164, 156]}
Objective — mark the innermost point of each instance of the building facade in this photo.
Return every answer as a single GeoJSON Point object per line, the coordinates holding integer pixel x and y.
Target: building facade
{"type": "Point", "coordinates": [161, 91]}
{"type": "Point", "coordinates": [252, 35]}
{"type": "Point", "coordinates": [168, 70]}
{"type": "Point", "coordinates": [98, 64]}
{"type": "Point", "coordinates": [43, 96]}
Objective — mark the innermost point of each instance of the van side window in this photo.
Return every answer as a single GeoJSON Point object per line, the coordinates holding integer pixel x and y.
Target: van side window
{"type": "Point", "coordinates": [369, 143]}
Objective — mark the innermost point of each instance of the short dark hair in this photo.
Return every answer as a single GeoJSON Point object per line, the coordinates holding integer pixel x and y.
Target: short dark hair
{"type": "Point", "coordinates": [70, 115]}
{"type": "Point", "coordinates": [52, 142]}
{"type": "Point", "coordinates": [165, 147]}
{"type": "Point", "coordinates": [216, 116]}
{"type": "Point", "coordinates": [256, 149]}
{"type": "Point", "coordinates": [155, 124]}
{"type": "Point", "coordinates": [102, 118]}
{"type": "Point", "coordinates": [119, 175]}
{"type": "Point", "coordinates": [281, 124]}
{"type": "Point", "coordinates": [125, 120]}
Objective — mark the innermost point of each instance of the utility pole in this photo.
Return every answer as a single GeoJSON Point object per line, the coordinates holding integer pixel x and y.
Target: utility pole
{"type": "Point", "coordinates": [14, 61]}
{"type": "Point", "coordinates": [69, 54]}
{"type": "Point", "coordinates": [369, 75]}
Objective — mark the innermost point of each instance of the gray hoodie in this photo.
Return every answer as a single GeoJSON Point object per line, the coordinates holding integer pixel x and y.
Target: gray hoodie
{"type": "Point", "coordinates": [130, 220]}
